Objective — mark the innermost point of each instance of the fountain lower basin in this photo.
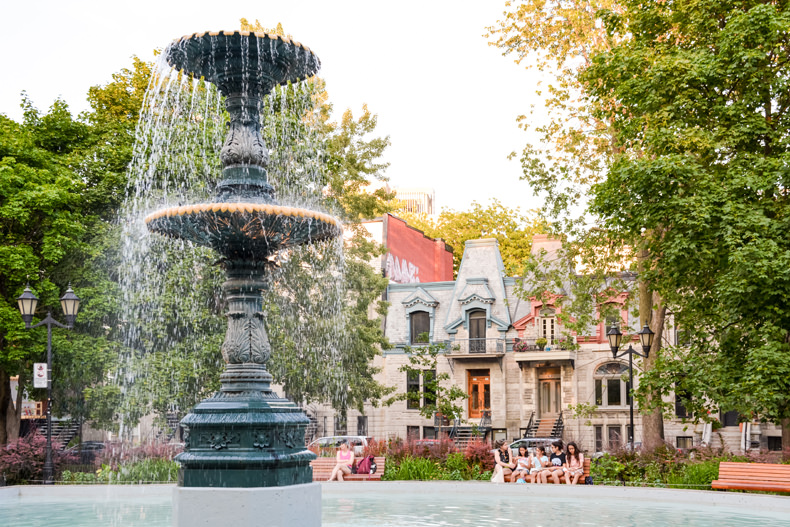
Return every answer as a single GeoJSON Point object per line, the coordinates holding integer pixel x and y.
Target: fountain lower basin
{"type": "Point", "coordinates": [416, 503]}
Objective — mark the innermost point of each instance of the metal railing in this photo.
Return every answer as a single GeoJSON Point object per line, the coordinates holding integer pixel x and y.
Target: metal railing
{"type": "Point", "coordinates": [478, 346]}
{"type": "Point", "coordinates": [531, 344]}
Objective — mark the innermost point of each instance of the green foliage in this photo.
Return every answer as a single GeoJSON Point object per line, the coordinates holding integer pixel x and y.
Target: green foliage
{"type": "Point", "coordinates": [414, 468]}
{"type": "Point", "coordinates": [455, 467]}
{"type": "Point", "coordinates": [606, 470]}
{"type": "Point", "coordinates": [435, 397]}
{"type": "Point", "coordinates": [701, 180]}
{"type": "Point", "coordinates": [511, 228]}
{"type": "Point", "coordinates": [137, 472]}
{"type": "Point", "coordinates": [696, 475]}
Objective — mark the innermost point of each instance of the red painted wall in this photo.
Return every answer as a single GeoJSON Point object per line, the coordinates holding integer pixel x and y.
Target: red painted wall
{"type": "Point", "coordinates": [414, 257]}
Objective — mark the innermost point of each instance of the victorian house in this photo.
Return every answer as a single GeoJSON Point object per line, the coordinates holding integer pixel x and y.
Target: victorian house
{"type": "Point", "coordinates": [521, 370]}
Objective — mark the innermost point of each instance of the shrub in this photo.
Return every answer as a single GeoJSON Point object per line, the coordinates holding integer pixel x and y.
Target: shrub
{"type": "Point", "coordinates": [375, 448]}
{"type": "Point", "coordinates": [696, 475]}
{"type": "Point", "coordinates": [22, 461]}
{"type": "Point", "coordinates": [606, 470]}
{"type": "Point", "coordinates": [478, 452]}
{"type": "Point", "coordinates": [414, 468]}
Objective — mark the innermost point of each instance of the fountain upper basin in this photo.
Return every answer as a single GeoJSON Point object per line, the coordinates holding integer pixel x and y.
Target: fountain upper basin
{"type": "Point", "coordinates": [244, 229]}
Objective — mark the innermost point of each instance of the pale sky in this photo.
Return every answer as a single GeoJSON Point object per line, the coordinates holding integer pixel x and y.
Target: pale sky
{"type": "Point", "coordinates": [447, 100]}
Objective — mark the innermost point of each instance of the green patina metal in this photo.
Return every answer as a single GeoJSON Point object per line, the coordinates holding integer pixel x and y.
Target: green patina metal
{"type": "Point", "coordinates": [245, 435]}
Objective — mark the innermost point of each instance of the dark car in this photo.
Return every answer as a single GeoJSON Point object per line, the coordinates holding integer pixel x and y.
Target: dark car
{"type": "Point", "coordinates": [87, 451]}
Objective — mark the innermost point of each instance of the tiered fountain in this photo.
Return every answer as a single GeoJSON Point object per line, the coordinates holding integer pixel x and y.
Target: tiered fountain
{"type": "Point", "coordinates": [244, 458]}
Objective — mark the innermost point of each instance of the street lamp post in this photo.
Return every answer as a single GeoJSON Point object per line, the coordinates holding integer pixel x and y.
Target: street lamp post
{"type": "Point", "coordinates": [70, 304]}
{"type": "Point", "coordinates": [646, 339]}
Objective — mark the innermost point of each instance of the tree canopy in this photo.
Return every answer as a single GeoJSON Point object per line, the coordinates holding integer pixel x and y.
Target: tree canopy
{"type": "Point", "coordinates": [701, 177]}
{"type": "Point", "coordinates": [512, 228]}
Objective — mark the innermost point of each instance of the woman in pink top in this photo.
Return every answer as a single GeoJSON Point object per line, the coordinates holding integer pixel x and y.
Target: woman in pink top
{"type": "Point", "coordinates": [574, 464]}
{"type": "Point", "coordinates": [345, 459]}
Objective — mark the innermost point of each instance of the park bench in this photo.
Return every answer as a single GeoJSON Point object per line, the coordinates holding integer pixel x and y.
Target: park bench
{"type": "Point", "coordinates": [753, 476]}
{"type": "Point", "coordinates": [562, 477]}
{"type": "Point", "coordinates": [322, 469]}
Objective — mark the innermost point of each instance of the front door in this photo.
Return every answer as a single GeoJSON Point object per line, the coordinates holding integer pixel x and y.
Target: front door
{"type": "Point", "coordinates": [479, 393]}
{"type": "Point", "coordinates": [549, 392]}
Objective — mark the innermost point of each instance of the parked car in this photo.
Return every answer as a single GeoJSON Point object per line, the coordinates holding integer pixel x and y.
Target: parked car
{"type": "Point", "coordinates": [532, 442]}
{"type": "Point", "coordinates": [87, 451]}
{"type": "Point", "coordinates": [328, 445]}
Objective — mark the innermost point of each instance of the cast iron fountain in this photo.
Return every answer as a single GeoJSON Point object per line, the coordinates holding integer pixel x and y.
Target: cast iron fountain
{"type": "Point", "coordinates": [244, 436]}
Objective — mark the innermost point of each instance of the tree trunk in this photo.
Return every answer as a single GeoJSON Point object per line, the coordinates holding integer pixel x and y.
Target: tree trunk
{"type": "Point", "coordinates": [652, 422]}
{"type": "Point", "coordinates": [5, 404]}
{"type": "Point", "coordinates": [14, 415]}
{"type": "Point", "coordinates": [786, 438]}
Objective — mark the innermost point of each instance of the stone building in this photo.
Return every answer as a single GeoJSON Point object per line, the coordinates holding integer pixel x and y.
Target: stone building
{"type": "Point", "coordinates": [517, 384]}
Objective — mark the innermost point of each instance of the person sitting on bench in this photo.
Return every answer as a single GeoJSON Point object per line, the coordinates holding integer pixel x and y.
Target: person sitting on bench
{"type": "Point", "coordinates": [345, 460]}
{"type": "Point", "coordinates": [556, 464]}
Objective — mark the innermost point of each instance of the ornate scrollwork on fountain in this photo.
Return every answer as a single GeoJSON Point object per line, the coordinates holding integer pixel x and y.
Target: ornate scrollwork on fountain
{"type": "Point", "coordinates": [246, 340]}
{"type": "Point", "coordinates": [244, 144]}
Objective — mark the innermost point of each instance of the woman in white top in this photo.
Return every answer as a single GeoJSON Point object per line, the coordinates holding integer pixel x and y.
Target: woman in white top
{"type": "Point", "coordinates": [522, 466]}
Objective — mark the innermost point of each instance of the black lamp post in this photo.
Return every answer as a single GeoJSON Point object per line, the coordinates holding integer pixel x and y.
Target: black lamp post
{"type": "Point", "coordinates": [646, 339]}
{"type": "Point", "coordinates": [70, 304]}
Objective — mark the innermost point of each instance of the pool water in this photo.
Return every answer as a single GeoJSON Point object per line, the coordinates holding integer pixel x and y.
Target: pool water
{"type": "Point", "coordinates": [418, 504]}
{"type": "Point", "coordinates": [406, 510]}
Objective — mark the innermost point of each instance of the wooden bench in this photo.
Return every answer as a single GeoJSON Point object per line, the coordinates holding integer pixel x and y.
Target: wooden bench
{"type": "Point", "coordinates": [753, 476]}
{"type": "Point", "coordinates": [322, 469]}
{"type": "Point", "coordinates": [562, 477]}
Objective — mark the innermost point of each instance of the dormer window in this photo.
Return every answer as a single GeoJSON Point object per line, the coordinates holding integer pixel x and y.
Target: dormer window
{"type": "Point", "coordinates": [547, 327]}
{"type": "Point", "coordinates": [420, 327]}
{"type": "Point", "coordinates": [477, 331]}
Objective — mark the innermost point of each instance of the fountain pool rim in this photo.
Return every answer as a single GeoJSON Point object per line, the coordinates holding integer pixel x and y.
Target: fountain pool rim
{"type": "Point", "coordinates": [720, 499]}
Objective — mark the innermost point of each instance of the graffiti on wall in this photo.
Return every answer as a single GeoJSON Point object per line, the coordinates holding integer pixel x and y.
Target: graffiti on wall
{"type": "Point", "coordinates": [401, 270]}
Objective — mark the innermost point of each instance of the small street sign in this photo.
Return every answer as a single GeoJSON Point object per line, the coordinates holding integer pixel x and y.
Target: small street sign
{"type": "Point", "coordinates": [40, 375]}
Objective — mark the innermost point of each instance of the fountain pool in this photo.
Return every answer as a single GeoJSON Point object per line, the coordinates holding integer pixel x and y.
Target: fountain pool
{"type": "Point", "coordinates": [401, 504]}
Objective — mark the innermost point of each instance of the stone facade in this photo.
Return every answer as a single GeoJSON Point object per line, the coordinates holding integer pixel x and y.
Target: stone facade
{"type": "Point", "coordinates": [495, 356]}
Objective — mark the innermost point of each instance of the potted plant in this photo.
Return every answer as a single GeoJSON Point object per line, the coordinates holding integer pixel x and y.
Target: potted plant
{"type": "Point", "coordinates": [520, 346]}
{"type": "Point", "coordinates": [541, 343]}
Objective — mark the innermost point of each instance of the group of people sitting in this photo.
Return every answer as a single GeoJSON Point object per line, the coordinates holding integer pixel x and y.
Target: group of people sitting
{"type": "Point", "coordinates": [536, 466]}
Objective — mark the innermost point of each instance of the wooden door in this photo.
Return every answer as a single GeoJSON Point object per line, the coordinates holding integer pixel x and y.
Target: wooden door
{"type": "Point", "coordinates": [549, 392]}
{"type": "Point", "coordinates": [479, 393]}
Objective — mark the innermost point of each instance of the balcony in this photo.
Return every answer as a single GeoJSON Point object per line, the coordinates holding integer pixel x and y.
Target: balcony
{"type": "Point", "coordinates": [478, 346]}
{"type": "Point", "coordinates": [527, 350]}
{"type": "Point", "coordinates": [476, 349]}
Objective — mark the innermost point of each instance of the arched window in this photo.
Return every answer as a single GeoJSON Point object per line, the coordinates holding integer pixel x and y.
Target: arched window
{"type": "Point", "coordinates": [419, 327]}
{"type": "Point", "coordinates": [610, 388]}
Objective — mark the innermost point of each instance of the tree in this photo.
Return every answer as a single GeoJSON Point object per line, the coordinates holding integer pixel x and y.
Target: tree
{"type": "Point", "coordinates": [512, 229]}
{"type": "Point", "coordinates": [578, 142]}
{"type": "Point", "coordinates": [436, 397]}
{"type": "Point", "coordinates": [55, 208]}
{"type": "Point", "coordinates": [701, 178]}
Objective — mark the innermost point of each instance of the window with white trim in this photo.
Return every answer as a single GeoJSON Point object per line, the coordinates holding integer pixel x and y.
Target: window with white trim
{"type": "Point", "coordinates": [610, 388]}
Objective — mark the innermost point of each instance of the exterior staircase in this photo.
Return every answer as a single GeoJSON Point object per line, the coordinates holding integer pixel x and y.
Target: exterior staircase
{"type": "Point", "coordinates": [63, 430]}
{"type": "Point", "coordinates": [728, 438]}
{"type": "Point", "coordinates": [311, 431]}
{"type": "Point", "coordinates": [545, 427]}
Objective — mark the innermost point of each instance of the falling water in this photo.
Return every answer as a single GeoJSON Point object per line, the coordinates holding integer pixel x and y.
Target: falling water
{"type": "Point", "coordinates": [172, 302]}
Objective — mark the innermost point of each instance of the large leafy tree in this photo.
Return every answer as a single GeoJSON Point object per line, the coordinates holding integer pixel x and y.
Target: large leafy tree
{"type": "Point", "coordinates": [576, 143]}
{"type": "Point", "coordinates": [512, 228]}
{"type": "Point", "coordinates": [701, 177]}
{"type": "Point", "coordinates": [60, 183]}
